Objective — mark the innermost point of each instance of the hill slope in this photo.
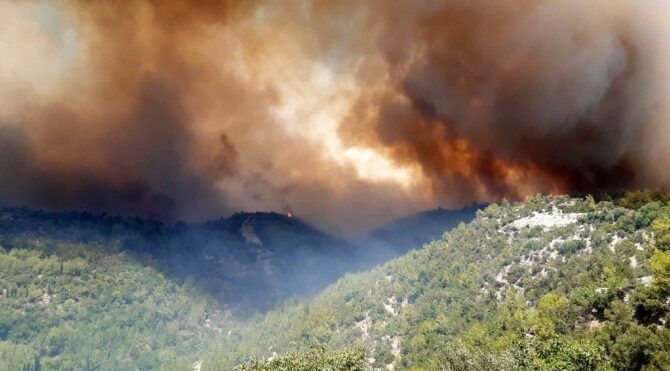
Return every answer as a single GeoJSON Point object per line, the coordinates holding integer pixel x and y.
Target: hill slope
{"type": "Point", "coordinates": [71, 306]}
{"type": "Point", "coordinates": [413, 231]}
{"type": "Point", "coordinates": [80, 291]}
{"type": "Point", "coordinates": [552, 283]}
{"type": "Point", "coordinates": [247, 261]}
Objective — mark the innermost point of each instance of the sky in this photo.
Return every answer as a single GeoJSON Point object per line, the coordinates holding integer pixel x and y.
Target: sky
{"type": "Point", "coordinates": [345, 113]}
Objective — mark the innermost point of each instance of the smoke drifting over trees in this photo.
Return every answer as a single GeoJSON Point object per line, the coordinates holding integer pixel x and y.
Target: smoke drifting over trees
{"type": "Point", "coordinates": [346, 112]}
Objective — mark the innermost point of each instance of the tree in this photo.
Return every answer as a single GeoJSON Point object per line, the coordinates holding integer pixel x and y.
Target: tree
{"type": "Point", "coordinates": [554, 309]}
{"type": "Point", "coordinates": [317, 358]}
{"type": "Point", "coordinates": [661, 229]}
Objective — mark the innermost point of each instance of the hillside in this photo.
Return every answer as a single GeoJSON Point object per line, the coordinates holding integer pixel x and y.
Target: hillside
{"type": "Point", "coordinates": [71, 306]}
{"type": "Point", "coordinates": [551, 283]}
{"type": "Point", "coordinates": [413, 231]}
{"type": "Point", "coordinates": [73, 284]}
{"type": "Point", "coordinates": [247, 261]}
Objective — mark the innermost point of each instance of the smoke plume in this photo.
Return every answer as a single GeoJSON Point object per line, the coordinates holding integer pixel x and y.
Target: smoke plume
{"type": "Point", "coordinates": [344, 112]}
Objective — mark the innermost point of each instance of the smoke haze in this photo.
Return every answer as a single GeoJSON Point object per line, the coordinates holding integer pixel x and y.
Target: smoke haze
{"type": "Point", "coordinates": [347, 113]}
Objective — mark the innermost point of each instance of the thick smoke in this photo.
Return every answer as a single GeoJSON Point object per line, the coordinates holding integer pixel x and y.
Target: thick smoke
{"type": "Point", "coordinates": [345, 112]}
{"type": "Point", "coordinates": [500, 98]}
{"type": "Point", "coordinates": [115, 135]}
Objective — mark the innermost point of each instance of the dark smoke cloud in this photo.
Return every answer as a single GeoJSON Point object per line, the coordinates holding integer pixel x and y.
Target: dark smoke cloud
{"type": "Point", "coordinates": [143, 165]}
{"type": "Point", "coordinates": [498, 99]}
{"type": "Point", "coordinates": [192, 109]}
{"type": "Point", "coordinates": [122, 140]}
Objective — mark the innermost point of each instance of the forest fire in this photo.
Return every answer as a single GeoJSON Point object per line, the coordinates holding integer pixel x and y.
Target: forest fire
{"type": "Point", "coordinates": [335, 184]}
{"type": "Point", "coordinates": [406, 108]}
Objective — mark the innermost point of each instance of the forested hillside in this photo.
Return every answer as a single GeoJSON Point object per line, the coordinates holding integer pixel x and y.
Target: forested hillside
{"type": "Point", "coordinates": [413, 231]}
{"type": "Point", "coordinates": [88, 307]}
{"type": "Point", "coordinates": [71, 283]}
{"type": "Point", "coordinates": [247, 262]}
{"type": "Point", "coordinates": [553, 283]}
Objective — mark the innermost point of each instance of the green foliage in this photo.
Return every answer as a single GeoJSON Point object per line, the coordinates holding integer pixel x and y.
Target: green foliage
{"type": "Point", "coordinates": [17, 357]}
{"type": "Point", "coordinates": [634, 199]}
{"type": "Point", "coordinates": [651, 300]}
{"type": "Point", "coordinates": [554, 310]}
{"type": "Point", "coordinates": [572, 246]}
{"type": "Point", "coordinates": [459, 357]}
{"type": "Point", "coordinates": [86, 308]}
{"type": "Point", "coordinates": [570, 296]}
{"type": "Point", "coordinates": [553, 283]}
{"type": "Point", "coordinates": [661, 229]}
{"type": "Point", "coordinates": [561, 353]}
{"type": "Point", "coordinates": [315, 359]}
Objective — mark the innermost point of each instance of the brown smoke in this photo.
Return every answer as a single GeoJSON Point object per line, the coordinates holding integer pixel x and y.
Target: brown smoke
{"type": "Point", "coordinates": [117, 137]}
{"type": "Point", "coordinates": [192, 109]}
{"type": "Point", "coordinates": [490, 97]}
